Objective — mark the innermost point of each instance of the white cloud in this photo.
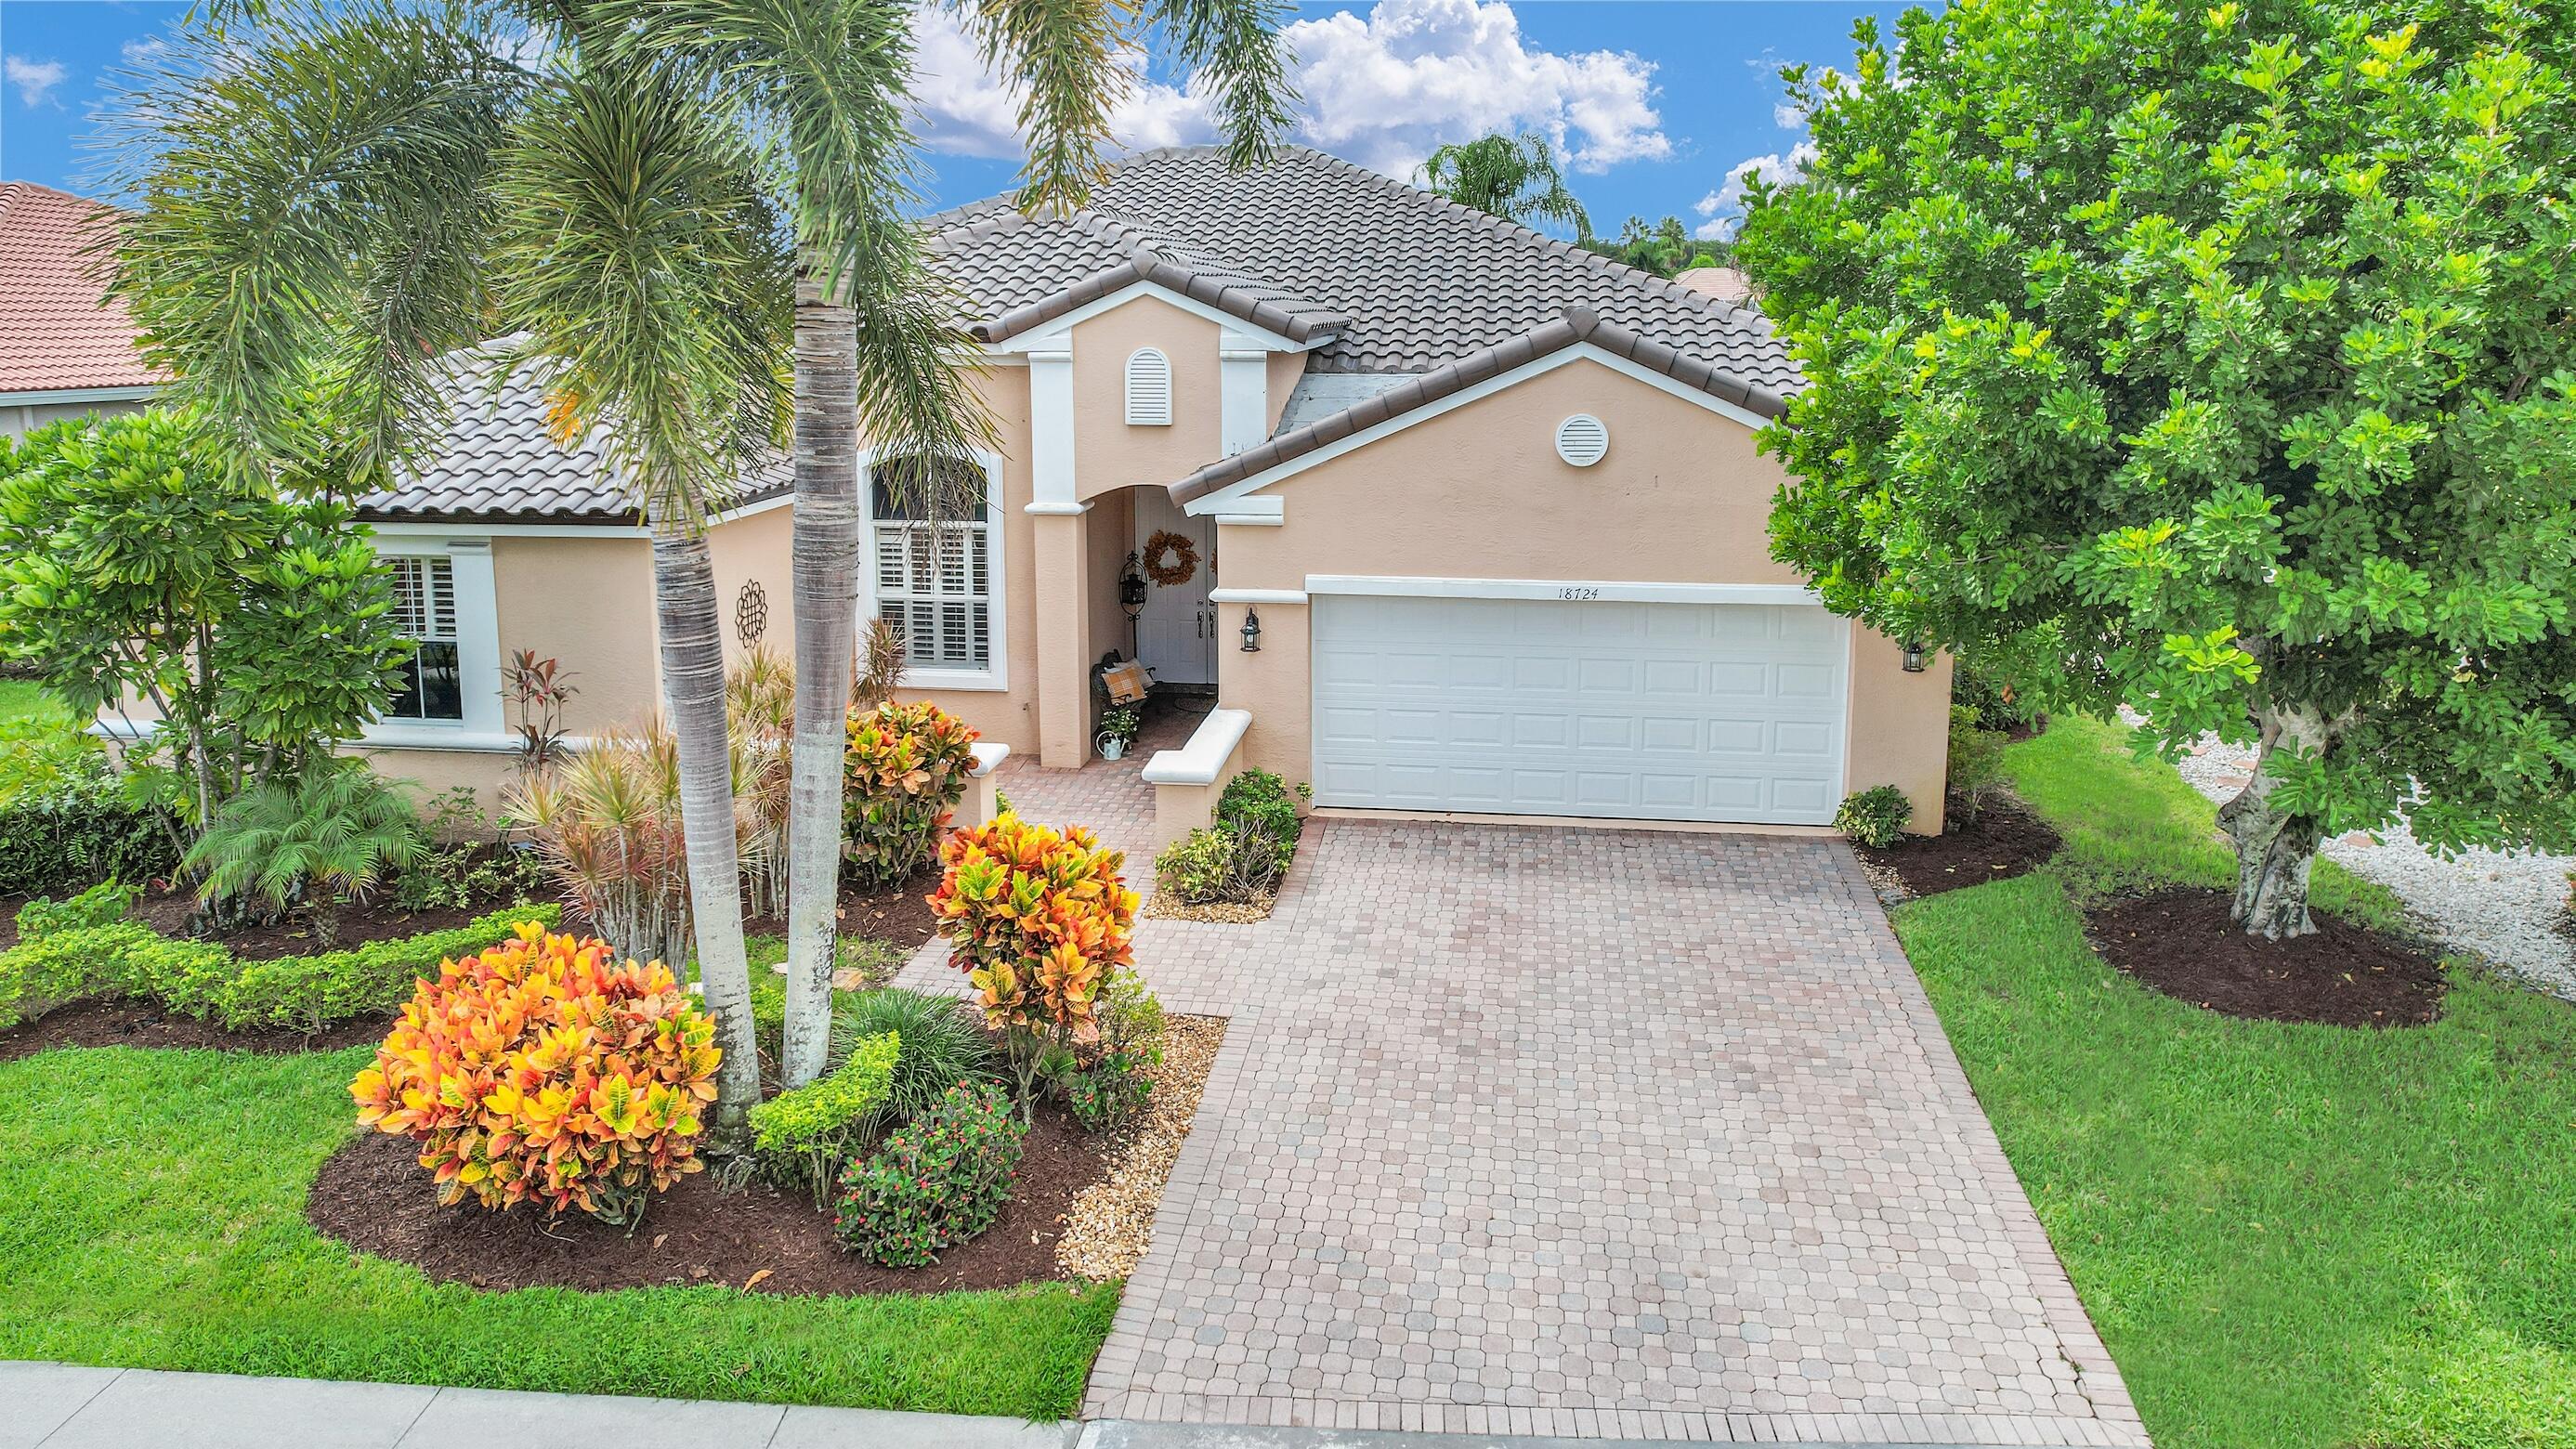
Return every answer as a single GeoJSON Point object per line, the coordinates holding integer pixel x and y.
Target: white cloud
{"type": "Point", "coordinates": [1789, 115]}
{"type": "Point", "coordinates": [1723, 208]}
{"type": "Point", "coordinates": [144, 51]}
{"type": "Point", "coordinates": [35, 79]}
{"type": "Point", "coordinates": [1381, 89]}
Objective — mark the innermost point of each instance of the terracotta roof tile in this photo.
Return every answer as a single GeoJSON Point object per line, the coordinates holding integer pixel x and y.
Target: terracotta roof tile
{"type": "Point", "coordinates": [58, 329]}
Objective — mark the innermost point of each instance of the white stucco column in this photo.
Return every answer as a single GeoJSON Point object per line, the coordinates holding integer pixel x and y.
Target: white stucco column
{"type": "Point", "coordinates": [1062, 556]}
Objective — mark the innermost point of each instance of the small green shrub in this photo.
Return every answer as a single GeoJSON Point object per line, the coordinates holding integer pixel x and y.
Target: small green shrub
{"type": "Point", "coordinates": [943, 1044]}
{"type": "Point", "coordinates": [1111, 1091]}
{"type": "Point", "coordinates": [1874, 817]}
{"type": "Point", "coordinates": [1232, 863]}
{"type": "Point", "coordinates": [103, 904]}
{"type": "Point", "coordinates": [81, 830]}
{"type": "Point", "coordinates": [936, 1182]}
{"type": "Point", "coordinates": [470, 863]}
{"type": "Point", "coordinates": [1976, 763]}
{"type": "Point", "coordinates": [806, 1135]}
{"type": "Point", "coordinates": [46, 750]}
{"type": "Point", "coordinates": [42, 972]}
{"type": "Point", "coordinates": [1264, 799]}
{"type": "Point", "coordinates": [1131, 1015]}
{"type": "Point", "coordinates": [1998, 704]}
{"type": "Point", "coordinates": [326, 836]}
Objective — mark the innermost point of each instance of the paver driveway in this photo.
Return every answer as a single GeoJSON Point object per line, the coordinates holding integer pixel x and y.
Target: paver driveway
{"type": "Point", "coordinates": [1564, 1131]}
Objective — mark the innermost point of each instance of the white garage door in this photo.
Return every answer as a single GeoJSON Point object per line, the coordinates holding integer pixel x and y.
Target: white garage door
{"type": "Point", "coordinates": [1648, 711]}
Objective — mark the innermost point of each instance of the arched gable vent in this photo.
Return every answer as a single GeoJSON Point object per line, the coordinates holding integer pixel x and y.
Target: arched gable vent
{"type": "Point", "coordinates": [1149, 389]}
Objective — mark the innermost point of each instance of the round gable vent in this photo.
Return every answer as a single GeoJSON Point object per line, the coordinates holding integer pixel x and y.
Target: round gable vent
{"type": "Point", "coordinates": [1581, 440]}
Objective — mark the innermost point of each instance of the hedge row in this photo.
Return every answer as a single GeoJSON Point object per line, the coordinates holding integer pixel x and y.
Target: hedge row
{"type": "Point", "coordinates": [201, 979]}
{"type": "Point", "coordinates": [79, 830]}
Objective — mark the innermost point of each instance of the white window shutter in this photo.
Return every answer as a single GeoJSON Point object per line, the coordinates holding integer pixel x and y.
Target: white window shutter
{"type": "Point", "coordinates": [1149, 389]}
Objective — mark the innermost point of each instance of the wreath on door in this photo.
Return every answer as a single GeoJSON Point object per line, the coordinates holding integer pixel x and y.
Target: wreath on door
{"type": "Point", "coordinates": [1171, 560]}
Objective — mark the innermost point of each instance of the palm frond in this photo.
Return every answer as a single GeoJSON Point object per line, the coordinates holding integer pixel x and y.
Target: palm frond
{"type": "Point", "coordinates": [1061, 56]}
{"type": "Point", "coordinates": [1236, 49]}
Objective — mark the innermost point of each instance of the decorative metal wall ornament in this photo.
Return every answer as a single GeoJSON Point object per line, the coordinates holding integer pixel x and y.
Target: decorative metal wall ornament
{"type": "Point", "coordinates": [1131, 587]}
{"type": "Point", "coordinates": [1171, 559]}
{"type": "Point", "coordinates": [750, 613]}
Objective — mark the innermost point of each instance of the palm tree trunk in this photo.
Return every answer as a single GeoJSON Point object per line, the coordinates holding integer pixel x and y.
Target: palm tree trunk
{"type": "Point", "coordinates": [826, 588]}
{"type": "Point", "coordinates": [689, 618]}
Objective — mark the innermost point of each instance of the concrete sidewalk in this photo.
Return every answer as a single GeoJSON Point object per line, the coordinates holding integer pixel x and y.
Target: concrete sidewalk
{"type": "Point", "coordinates": [61, 1406]}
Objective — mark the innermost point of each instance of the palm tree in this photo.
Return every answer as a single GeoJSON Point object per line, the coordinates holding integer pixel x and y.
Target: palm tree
{"type": "Point", "coordinates": [876, 352]}
{"type": "Point", "coordinates": [1513, 177]}
{"type": "Point", "coordinates": [352, 192]}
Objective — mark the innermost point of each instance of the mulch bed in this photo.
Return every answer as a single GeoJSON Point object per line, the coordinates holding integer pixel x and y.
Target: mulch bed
{"type": "Point", "coordinates": [167, 911]}
{"type": "Point", "coordinates": [2005, 840]}
{"type": "Point", "coordinates": [2182, 944]}
{"type": "Point", "coordinates": [376, 1197]}
{"type": "Point", "coordinates": [901, 915]}
{"type": "Point", "coordinates": [144, 1023]}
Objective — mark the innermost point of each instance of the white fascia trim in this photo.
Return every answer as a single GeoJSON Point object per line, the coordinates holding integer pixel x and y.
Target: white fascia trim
{"type": "Point", "coordinates": [1251, 520]}
{"type": "Point", "coordinates": [1231, 499]}
{"type": "Point", "coordinates": [1055, 510]}
{"type": "Point", "coordinates": [136, 393]}
{"type": "Point", "coordinates": [1048, 334]}
{"type": "Point", "coordinates": [991, 680]}
{"type": "Point", "coordinates": [1605, 591]}
{"type": "Point", "coordinates": [783, 500]}
{"type": "Point", "coordinates": [409, 529]}
{"type": "Point", "coordinates": [1257, 596]}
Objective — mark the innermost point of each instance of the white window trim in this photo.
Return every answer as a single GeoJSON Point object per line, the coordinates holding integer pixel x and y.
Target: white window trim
{"type": "Point", "coordinates": [996, 563]}
{"type": "Point", "coordinates": [478, 653]}
{"type": "Point", "coordinates": [1148, 416]}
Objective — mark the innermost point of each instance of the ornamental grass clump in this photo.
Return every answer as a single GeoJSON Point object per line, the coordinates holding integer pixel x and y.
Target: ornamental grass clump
{"type": "Point", "coordinates": [1038, 920]}
{"type": "Point", "coordinates": [937, 1182]}
{"type": "Point", "coordinates": [607, 823]}
{"type": "Point", "coordinates": [905, 771]}
{"type": "Point", "coordinates": [546, 1070]}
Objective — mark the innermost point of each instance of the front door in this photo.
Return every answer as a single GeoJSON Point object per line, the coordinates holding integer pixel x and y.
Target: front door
{"type": "Point", "coordinates": [1176, 635]}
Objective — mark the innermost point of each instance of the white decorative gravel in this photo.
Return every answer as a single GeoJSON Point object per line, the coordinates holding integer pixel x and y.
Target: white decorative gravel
{"type": "Point", "coordinates": [2506, 906]}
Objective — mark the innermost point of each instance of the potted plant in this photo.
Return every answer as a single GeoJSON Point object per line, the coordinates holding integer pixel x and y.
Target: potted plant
{"type": "Point", "coordinates": [1118, 730]}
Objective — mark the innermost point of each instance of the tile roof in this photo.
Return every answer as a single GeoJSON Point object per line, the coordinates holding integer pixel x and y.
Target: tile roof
{"type": "Point", "coordinates": [1025, 273]}
{"type": "Point", "coordinates": [497, 461]}
{"type": "Point", "coordinates": [59, 332]}
{"type": "Point", "coordinates": [1423, 281]}
{"type": "Point", "coordinates": [1578, 324]}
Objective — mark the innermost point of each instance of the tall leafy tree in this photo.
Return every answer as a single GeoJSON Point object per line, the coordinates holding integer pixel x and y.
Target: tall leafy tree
{"type": "Point", "coordinates": [2216, 362]}
{"type": "Point", "coordinates": [353, 191]}
{"type": "Point", "coordinates": [1513, 177]}
{"type": "Point", "coordinates": [878, 355]}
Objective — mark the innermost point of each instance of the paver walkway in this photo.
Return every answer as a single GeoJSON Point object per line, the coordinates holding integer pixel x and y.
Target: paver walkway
{"type": "Point", "coordinates": [1526, 1130]}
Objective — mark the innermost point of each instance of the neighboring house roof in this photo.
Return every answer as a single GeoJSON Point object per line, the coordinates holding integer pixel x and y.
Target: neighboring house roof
{"type": "Point", "coordinates": [498, 461]}
{"type": "Point", "coordinates": [1423, 281]}
{"type": "Point", "coordinates": [1724, 283]}
{"type": "Point", "coordinates": [1577, 325]}
{"type": "Point", "coordinates": [59, 331]}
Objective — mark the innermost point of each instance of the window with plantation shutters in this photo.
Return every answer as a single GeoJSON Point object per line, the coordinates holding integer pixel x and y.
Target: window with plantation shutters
{"type": "Point", "coordinates": [432, 687]}
{"type": "Point", "coordinates": [934, 578]}
{"type": "Point", "coordinates": [1149, 389]}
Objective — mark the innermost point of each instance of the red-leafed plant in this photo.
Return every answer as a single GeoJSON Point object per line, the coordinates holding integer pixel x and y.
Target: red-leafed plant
{"type": "Point", "coordinates": [546, 1070]}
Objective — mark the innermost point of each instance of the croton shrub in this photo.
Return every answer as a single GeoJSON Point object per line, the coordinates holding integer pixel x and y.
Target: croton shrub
{"type": "Point", "coordinates": [545, 1070]}
{"type": "Point", "coordinates": [906, 769]}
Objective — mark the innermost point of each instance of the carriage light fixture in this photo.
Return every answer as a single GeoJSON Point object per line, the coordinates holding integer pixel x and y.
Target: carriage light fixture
{"type": "Point", "coordinates": [1251, 630]}
{"type": "Point", "coordinates": [1913, 657]}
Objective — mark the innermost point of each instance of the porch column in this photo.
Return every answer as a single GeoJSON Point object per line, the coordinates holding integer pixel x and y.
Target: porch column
{"type": "Point", "coordinates": [1062, 557]}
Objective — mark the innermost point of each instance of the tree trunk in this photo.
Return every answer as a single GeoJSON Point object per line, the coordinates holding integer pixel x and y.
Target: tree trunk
{"type": "Point", "coordinates": [826, 590]}
{"type": "Point", "coordinates": [690, 622]}
{"type": "Point", "coordinates": [2275, 850]}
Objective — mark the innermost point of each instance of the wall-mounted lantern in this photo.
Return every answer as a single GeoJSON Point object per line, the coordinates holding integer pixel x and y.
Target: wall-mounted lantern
{"type": "Point", "coordinates": [1131, 587]}
{"type": "Point", "coordinates": [1913, 657]}
{"type": "Point", "coordinates": [1251, 630]}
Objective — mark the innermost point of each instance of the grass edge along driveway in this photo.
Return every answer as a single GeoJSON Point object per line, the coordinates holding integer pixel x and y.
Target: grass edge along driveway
{"type": "Point", "coordinates": [2287, 1235]}
{"type": "Point", "coordinates": [151, 1216]}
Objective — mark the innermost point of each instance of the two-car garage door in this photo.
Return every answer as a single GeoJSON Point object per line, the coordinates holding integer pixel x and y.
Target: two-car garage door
{"type": "Point", "coordinates": [1580, 706]}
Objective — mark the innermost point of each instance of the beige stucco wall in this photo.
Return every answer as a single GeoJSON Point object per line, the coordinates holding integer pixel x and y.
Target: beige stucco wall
{"type": "Point", "coordinates": [1683, 496]}
{"type": "Point", "coordinates": [1110, 454]}
{"type": "Point", "coordinates": [19, 419]}
{"type": "Point", "coordinates": [757, 548]}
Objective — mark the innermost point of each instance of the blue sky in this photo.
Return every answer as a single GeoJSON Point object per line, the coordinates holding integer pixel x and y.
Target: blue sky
{"type": "Point", "coordinates": [1657, 105]}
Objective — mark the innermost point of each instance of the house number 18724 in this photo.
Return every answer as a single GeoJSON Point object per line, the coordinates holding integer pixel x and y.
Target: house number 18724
{"type": "Point", "coordinates": [1579, 593]}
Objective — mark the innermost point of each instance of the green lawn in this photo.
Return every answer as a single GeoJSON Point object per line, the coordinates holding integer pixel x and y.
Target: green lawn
{"type": "Point", "coordinates": [24, 699]}
{"type": "Point", "coordinates": [151, 1214]}
{"type": "Point", "coordinates": [2288, 1235]}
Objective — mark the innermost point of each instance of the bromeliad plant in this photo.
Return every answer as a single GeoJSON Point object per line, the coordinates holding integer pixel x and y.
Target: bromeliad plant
{"type": "Point", "coordinates": [547, 1071]}
{"type": "Point", "coordinates": [1038, 920]}
{"type": "Point", "coordinates": [906, 770]}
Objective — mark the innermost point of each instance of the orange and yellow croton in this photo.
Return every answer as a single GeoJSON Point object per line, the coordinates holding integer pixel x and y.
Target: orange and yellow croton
{"type": "Point", "coordinates": [545, 1070]}
{"type": "Point", "coordinates": [1037, 919]}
